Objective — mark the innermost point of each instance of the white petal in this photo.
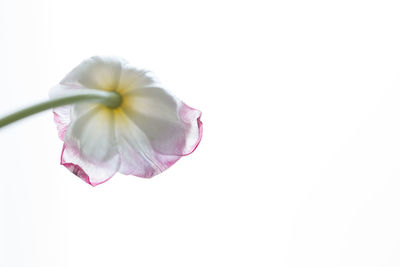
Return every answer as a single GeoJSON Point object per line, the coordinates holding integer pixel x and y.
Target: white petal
{"type": "Point", "coordinates": [132, 78]}
{"type": "Point", "coordinates": [96, 73]}
{"type": "Point", "coordinates": [92, 133]}
{"type": "Point", "coordinates": [171, 127]}
{"type": "Point", "coordinates": [137, 155]}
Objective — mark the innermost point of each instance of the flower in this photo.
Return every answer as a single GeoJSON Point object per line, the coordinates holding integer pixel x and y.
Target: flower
{"type": "Point", "coordinates": [143, 136]}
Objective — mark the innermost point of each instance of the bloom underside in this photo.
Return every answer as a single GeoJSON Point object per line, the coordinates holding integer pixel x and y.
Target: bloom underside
{"type": "Point", "coordinates": [143, 134]}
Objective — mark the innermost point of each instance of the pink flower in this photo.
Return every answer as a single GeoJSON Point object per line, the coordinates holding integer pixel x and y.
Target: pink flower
{"type": "Point", "coordinates": [146, 134]}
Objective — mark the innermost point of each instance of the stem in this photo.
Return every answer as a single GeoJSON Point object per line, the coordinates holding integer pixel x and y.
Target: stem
{"type": "Point", "coordinates": [110, 99]}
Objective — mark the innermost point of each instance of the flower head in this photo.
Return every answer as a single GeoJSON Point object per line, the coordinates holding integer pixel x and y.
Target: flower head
{"type": "Point", "coordinates": [144, 131]}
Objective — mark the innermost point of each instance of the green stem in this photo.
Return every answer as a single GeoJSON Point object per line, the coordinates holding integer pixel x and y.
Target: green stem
{"type": "Point", "coordinates": [110, 99]}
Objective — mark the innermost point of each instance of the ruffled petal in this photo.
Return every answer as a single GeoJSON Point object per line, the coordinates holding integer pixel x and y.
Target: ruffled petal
{"type": "Point", "coordinates": [90, 149]}
{"type": "Point", "coordinates": [137, 155]}
{"type": "Point", "coordinates": [91, 173]}
{"type": "Point", "coordinates": [135, 163]}
{"type": "Point", "coordinates": [96, 73]}
{"type": "Point", "coordinates": [133, 78]}
{"type": "Point", "coordinates": [171, 127]}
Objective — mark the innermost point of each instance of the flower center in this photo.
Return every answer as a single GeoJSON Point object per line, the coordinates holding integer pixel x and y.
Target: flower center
{"type": "Point", "coordinates": [114, 100]}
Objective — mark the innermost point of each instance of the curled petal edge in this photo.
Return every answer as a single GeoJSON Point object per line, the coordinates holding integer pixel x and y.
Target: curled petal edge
{"type": "Point", "coordinates": [188, 114]}
{"type": "Point", "coordinates": [78, 171]}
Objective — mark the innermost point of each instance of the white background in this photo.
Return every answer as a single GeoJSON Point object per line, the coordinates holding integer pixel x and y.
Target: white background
{"type": "Point", "coordinates": [300, 160]}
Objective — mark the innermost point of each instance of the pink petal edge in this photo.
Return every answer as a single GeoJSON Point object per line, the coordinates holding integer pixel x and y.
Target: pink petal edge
{"type": "Point", "coordinates": [61, 125]}
{"type": "Point", "coordinates": [184, 113]}
{"type": "Point", "coordinates": [78, 171]}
